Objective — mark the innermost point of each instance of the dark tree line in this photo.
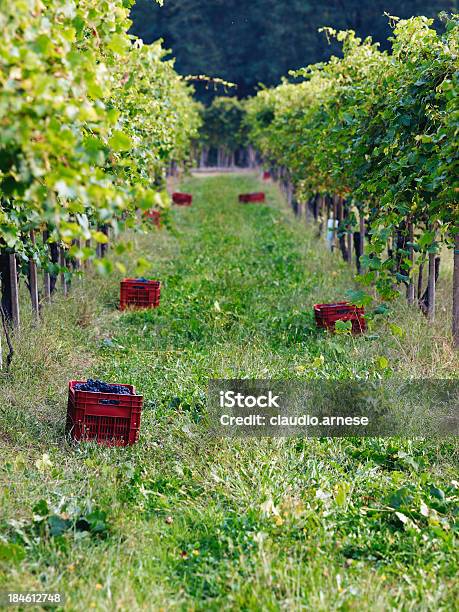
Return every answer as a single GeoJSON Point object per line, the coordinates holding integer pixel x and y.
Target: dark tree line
{"type": "Point", "coordinates": [259, 41]}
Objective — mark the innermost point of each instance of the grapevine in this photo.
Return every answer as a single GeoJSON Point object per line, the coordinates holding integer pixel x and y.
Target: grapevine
{"type": "Point", "coordinates": [90, 120]}
{"type": "Point", "coordinates": [374, 135]}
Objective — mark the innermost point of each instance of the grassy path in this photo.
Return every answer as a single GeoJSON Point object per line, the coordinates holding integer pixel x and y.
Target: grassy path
{"type": "Point", "coordinates": [181, 521]}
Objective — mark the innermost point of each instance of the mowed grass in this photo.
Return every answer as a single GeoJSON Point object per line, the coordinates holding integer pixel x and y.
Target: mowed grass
{"type": "Point", "coordinates": [185, 521]}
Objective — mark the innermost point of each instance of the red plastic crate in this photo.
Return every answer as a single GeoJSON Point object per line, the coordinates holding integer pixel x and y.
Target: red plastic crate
{"type": "Point", "coordinates": [154, 216]}
{"type": "Point", "coordinates": [182, 199]}
{"type": "Point", "coordinates": [266, 175]}
{"type": "Point", "coordinates": [139, 294]}
{"type": "Point", "coordinates": [326, 316]}
{"type": "Point", "coordinates": [252, 197]}
{"type": "Point", "coordinates": [107, 418]}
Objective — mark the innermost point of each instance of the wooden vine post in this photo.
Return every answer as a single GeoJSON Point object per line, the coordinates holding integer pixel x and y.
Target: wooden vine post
{"type": "Point", "coordinates": [307, 211]}
{"type": "Point", "coordinates": [47, 286]}
{"type": "Point", "coordinates": [342, 236]}
{"type": "Point", "coordinates": [456, 292]}
{"type": "Point", "coordinates": [431, 290]}
{"type": "Point", "coordinates": [33, 280]}
{"type": "Point", "coordinates": [300, 209]}
{"type": "Point", "coordinates": [46, 275]}
{"type": "Point", "coordinates": [362, 230]}
{"type": "Point", "coordinates": [349, 245]}
{"type": "Point", "coordinates": [62, 264]}
{"type": "Point", "coordinates": [289, 192]}
{"type": "Point", "coordinates": [322, 215]}
{"type": "Point", "coordinates": [14, 291]}
{"type": "Point", "coordinates": [102, 247]}
{"type": "Point", "coordinates": [86, 261]}
{"type": "Point", "coordinates": [335, 219]}
{"type": "Point", "coordinates": [410, 289]}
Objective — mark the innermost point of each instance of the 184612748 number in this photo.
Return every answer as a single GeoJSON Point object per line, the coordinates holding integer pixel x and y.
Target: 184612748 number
{"type": "Point", "coordinates": [14, 598]}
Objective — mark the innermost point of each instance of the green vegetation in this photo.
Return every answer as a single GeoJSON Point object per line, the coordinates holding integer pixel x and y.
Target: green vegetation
{"type": "Point", "coordinates": [224, 130]}
{"type": "Point", "coordinates": [377, 132]}
{"type": "Point", "coordinates": [94, 125]}
{"type": "Point", "coordinates": [260, 41]}
{"type": "Point", "coordinates": [182, 521]}
{"type": "Point", "coordinates": [91, 118]}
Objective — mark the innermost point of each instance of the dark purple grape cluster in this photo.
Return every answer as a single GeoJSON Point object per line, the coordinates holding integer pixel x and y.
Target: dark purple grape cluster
{"type": "Point", "coordinates": [141, 280]}
{"type": "Point", "coordinates": [98, 386]}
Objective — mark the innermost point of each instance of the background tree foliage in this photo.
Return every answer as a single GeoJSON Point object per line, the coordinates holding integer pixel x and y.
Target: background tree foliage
{"type": "Point", "coordinates": [223, 129]}
{"type": "Point", "coordinates": [260, 41]}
